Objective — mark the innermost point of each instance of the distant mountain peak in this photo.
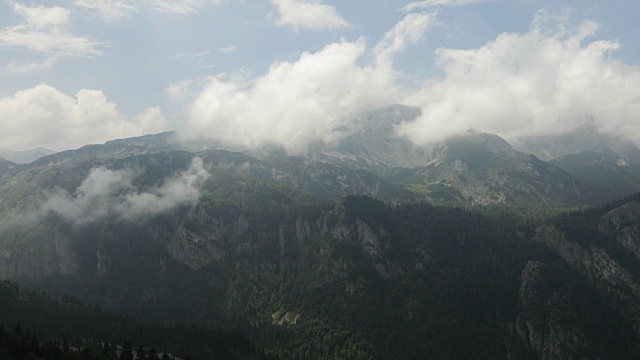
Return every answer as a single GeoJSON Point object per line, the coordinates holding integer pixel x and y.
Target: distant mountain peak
{"type": "Point", "coordinates": [471, 148]}
{"type": "Point", "coordinates": [25, 156]}
{"type": "Point", "coordinates": [373, 143]}
{"type": "Point", "coordinates": [482, 141]}
{"type": "Point", "coordinates": [585, 138]}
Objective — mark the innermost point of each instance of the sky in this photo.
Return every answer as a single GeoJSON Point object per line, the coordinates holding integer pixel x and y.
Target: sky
{"type": "Point", "coordinates": [291, 72]}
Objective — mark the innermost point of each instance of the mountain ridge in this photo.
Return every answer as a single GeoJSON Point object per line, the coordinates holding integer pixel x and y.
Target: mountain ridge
{"type": "Point", "coordinates": [473, 168]}
{"type": "Point", "coordinates": [25, 156]}
{"type": "Point", "coordinates": [305, 257]}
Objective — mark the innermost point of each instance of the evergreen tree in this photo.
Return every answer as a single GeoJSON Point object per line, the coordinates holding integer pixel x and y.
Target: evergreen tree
{"type": "Point", "coordinates": [18, 330]}
{"type": "Point", "coordinates": [140, 355]}
{"type": "Point", "coordinates": [65, 347]}
{"type": "Point", "coordinates": [127, 351]}
{"type": "Point", "coordinates": [106, 350]}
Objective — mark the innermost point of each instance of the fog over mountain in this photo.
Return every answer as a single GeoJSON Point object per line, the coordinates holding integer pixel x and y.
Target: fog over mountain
{"type": "Point", "coordinates": [112, 194]}
{"type": "Point", "coordinates": [106, 193]}
{"type": "Point", "coordinates": [24, 157]}
{"type": "Point", "coordinates": [585, 138]}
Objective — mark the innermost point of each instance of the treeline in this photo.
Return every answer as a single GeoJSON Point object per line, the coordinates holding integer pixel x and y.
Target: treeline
{"type": "Point", "coordinates": [70, 323]}
{"type": "Point", "coordinates": [24, 345]}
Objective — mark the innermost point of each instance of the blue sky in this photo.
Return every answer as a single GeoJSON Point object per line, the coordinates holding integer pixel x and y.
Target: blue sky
{"type": "Point", "coordinates": [289, 72]}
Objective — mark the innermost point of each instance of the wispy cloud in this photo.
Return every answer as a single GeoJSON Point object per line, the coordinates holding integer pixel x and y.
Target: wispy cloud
{"type": "Point", "coordinates": [228, 49]}
{"type": "Point", "coordinates": [434, 3]}
{"type": "Point", "coordinates": [111, 194]}
{"type": "Point", "coordinates": [41, 17]}
{"type": "Point", "coordinates": [193, 55]}
{"type": "Point", "coordinates": [110, 10]}
{"type": "Point", "coordinates": [181, 7]}
{"type": "Point", "coordinates": [308, 14]}
{"type": "Point", "coordinates": [180, 90]}
{"type": "Point", "coordinates": [409, 30]}
{"type": "Point", "coordinates": [44, 30]}
{"type": "Point", "coordinates": [31, 66]}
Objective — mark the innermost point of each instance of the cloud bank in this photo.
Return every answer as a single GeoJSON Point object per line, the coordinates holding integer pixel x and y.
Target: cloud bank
{"type": "Point", "coordinates": [109, 194]}
{"type": "Point", "coordinates": [297, 103]}
{"type": "Point", "coordinates": [549, 80]}
{"type": "Point", "coordinates": [445, 3]}
{"type": "Point", "coordinates": [294, 104]}
{"type": "Point", "coordinates": [44, 116]}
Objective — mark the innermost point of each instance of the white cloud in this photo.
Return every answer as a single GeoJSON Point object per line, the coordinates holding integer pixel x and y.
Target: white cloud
{"type": "Point", "coordinates": [44, 30]}
{"type": "Point", "coordinates": [181, 189]}
{"type": "Point", "coordinates": [182, 7]}
{"type": "Point", "coordinates": [295, 103]}
{"type": "Point", "coordinates": [110, 10]}
{"type": "Point", "coordinates": [180, 90]}
{"type": "Point", "coordinates": [308, 14]}
{"type": "Point", "coordinates": [409, 30]}
{"type": "Point", "coordinates": [30, 66]}
{"type": "Point", "coordinates": [44, 116]}
{"type": "Point", "coordinates": [228, 49]}
{"type": "Point", "coordinates": [109, 193]}
{"type": "Point", "coordinates": [549, 80]}
{"type": "Point", "coordinates": [193, 55]}
{"type": "Point", "coordinates": [433, 3]}
{"type": "Point", "coordinates": [41, 17]}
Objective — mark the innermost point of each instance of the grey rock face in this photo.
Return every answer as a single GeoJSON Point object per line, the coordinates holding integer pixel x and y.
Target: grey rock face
{"type": "Point", "coordinates": [544, 310]}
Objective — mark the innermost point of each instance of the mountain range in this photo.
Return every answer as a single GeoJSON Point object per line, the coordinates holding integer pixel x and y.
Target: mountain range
{"type": "Point", "coordinates": [469, 169]}
{"type": "Point", "coordinates": [24, 157]}
{"type": "Point", "coordinates": [366, 248]}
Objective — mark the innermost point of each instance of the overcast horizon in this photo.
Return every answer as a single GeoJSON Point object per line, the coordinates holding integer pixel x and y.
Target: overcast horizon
{"type": "Point", "coordinates": [291, 72]}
